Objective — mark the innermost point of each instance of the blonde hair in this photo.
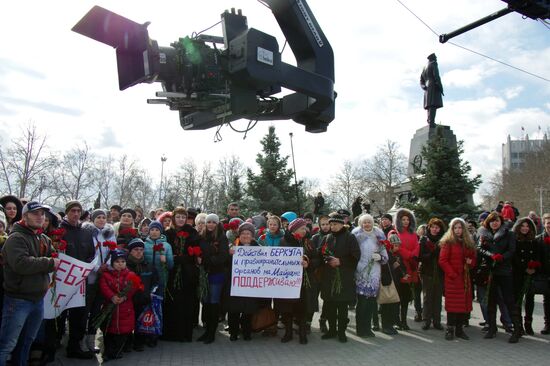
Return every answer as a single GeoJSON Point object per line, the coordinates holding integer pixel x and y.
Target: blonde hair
{"type": "Point", "coordinates": [200, 217]}
{"type": "Point", "coordinates": [450, 238]}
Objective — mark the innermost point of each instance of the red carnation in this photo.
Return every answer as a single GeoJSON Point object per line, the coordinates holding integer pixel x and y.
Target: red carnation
{"type": "Point", "coordinates": [58, 232]}
{"type": "Point", "coordinates": [233, 225]}
{"type": "Point", "coordinates": [136, 281]}
{"type": "Point", "coordinates": [197, 251]}
{"type": "Point", "coordinates": [324, 249]}
{"type": "Point", "coordinates": [297, 236]}
{"type": "Point", "coordinates": [226, 227]}
{"type": "Point", "coordinates": [55, 255]}
{"type": "Point", "coordinates": [547, 240]}
{"type": "Point", "coordinates": [261, 231]}
{"type": "Point", "coordinates": [110, 244]}
{"type": "Point", "coordinates": [62, 245]}
{"type": "Point", "coordinates": [497, 257]}
{"type": "Point", "coordinates": [182, 234]}
{"type": "Point", "coordinates": [158, 247]}
{"type": "Point", "coordinates": [263, 237]}
{"type": "Point", "coordinates": [533, 264]}
{"type": "Point", "coordinates": [190, 251]}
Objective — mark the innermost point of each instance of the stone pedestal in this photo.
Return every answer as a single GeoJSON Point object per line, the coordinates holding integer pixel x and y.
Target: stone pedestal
{"type": "Point", "coordinates": [421, 138]}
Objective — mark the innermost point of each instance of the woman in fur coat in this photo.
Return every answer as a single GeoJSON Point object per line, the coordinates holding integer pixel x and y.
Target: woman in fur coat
{"type": "Point", "coordinates": [367, 275]}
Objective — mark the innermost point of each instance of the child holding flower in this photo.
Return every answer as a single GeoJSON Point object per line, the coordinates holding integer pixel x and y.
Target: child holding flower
{"type": "Point", "coordinates": [118, 287]}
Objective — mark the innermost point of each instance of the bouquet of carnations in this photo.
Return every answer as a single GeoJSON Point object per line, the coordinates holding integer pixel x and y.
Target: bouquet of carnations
{"type": "Point", "coordinates": [104, 317]}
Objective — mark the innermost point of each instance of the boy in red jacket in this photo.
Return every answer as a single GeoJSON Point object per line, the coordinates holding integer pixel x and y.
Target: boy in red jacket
{"type": "Point", "coordinates": [118, 287]}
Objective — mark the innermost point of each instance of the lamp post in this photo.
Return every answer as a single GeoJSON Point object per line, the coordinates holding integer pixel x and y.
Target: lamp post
{"type": "Point", "coordinates": [295, 179]}
{"type": "Point", "coordinates": [162, 161]}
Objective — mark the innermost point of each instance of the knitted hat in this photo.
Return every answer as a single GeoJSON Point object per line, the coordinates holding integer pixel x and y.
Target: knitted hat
{"type": "Point", "coordinates": [289, 216]}
{"type": "Point", "coordinates": [247, 226]}
{"type": "Point", "coordinates": [483, 216]}
{"type": "Point", "coordinates": [387, 216]}
{"type": "Point", "coordinates": [72, 204]}
{"type": "Point", "coordinates": [130, 211]}
{"type": "Point", "coordinates": [394, 239]}
{"type": "Point", "coordinates": [116, 254]}
{"type": "Point", "coordinates": [135, 243]}
{"type": "Point", "coordinates": [97, 212]}
{"type": "Point", "coordinates": [212, 218]}
{"type": "Point", "coordinates": [336, 218]}
{"type": "Point", "coordinates": [296, 224]}
{"type": "Point", "coordinates": [156, 225]}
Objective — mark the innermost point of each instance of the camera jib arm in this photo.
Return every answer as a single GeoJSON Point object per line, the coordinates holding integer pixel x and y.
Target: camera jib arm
{"type": "Point", "coordinates": [210, 87]}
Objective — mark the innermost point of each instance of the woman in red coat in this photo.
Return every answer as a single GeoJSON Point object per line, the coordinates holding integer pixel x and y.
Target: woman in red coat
{"type": "Point", "coordinates": [405, 228]}
{"type": "Point", "coordinates": [457, 256]}
{"type": "Point", "coordinates": [112, 284]}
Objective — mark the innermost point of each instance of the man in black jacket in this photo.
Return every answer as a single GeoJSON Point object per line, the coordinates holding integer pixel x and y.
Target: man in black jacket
{"type": "Point", "coordinates": [80, 245]}
{"type": "Point", "coordinates": [26, 280]}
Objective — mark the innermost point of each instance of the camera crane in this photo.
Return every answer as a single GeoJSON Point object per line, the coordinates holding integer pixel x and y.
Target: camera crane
{"type": "Point", "coordinates": [211, 86]}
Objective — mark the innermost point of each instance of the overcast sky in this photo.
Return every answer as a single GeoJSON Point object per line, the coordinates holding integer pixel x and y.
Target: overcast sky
{"type": "Point", "coordinates": [67, 84]}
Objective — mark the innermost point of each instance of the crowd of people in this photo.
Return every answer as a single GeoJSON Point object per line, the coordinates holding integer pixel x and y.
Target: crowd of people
{"type": "Point", "coordinates": [181, 261]}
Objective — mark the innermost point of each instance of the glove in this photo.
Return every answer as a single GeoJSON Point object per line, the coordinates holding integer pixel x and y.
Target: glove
{"type": "Point", "coordinates": [497, 257]}
{"type": "Point", "coordinates": [376, 257]}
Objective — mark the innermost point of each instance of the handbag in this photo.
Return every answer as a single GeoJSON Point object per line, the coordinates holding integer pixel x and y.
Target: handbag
{"type": "Point", "coordinates": [263, 319]}
{"type": "Point", "coordinates": [539, 286]}
{"type": "Point", "coordinates": [150, 319]}
{"type": "Point", "coordinates": [388, 294]}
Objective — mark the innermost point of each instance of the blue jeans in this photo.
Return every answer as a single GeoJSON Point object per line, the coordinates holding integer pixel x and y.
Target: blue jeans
{"type": "Point", "coordinates": [21, 321]}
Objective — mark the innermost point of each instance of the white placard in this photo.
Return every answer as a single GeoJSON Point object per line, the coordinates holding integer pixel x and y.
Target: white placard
{"type": "Point", "coordinates": [267, 272]}
{"type": "Point", "coordinates": [70, 287]}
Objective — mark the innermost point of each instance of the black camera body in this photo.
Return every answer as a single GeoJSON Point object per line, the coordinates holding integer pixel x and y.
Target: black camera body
{"type": "Point", "coordinates": [237, 77]}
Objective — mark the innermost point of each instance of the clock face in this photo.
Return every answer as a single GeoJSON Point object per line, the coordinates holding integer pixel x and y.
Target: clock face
{"type": "Point", "coordinates": [417, 163]}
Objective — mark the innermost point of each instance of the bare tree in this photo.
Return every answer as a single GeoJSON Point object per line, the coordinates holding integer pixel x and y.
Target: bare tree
{"type": "Point", "coordinates": [75, 175]}
{"type": "Point", "coordinates": [105, 175]}
{"type": "Point", "coordinates": [346, 185]}
{"type": "Point", "coordinates": [125, 180]}
{"type": "Point", "coordinates": [24, 161]}
{"type": "Point", "coordinates": [384, 171]}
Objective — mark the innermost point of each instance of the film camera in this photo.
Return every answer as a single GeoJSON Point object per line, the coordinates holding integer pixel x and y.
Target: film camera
{"type": "Point", "coordinates": [214, 80]}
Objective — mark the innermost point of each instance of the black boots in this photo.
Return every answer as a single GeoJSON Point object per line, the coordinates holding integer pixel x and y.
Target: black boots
{"type": "Point", "coordinates": [459, 333]}
{"type": "Point", "coordinates": [403, 324]}
{"type": "Point", "coordinates": [426, 325]}
{"type": "Point", "coordinates": [211, 318]}
{"type": "Point", "coordinates": [323, 325]}
{"type": "Point", "coordinates": [212, 323]}
{"type": "Point", "coordinates": [450, 333]}
{"type": "Point", "coordinates": [288, 331]}
{"type": "Point", "coordinates": [331, 333]}
{"type": "Point", "coordinates": [302, 332]}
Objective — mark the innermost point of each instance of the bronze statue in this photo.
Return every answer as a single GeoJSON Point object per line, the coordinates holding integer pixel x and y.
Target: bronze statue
{"type": "Point", "coordinates": [430, 82]}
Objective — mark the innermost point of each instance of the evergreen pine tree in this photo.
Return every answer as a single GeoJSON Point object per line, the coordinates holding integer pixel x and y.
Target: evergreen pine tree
{"type": "Point", "coordinates": [444, 186]}
{"type": "Point", "coordinates": [272, 189]}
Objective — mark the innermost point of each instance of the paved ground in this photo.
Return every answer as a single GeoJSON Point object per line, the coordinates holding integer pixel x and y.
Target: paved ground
{"type": "Point", "coordinates": [416, 347]}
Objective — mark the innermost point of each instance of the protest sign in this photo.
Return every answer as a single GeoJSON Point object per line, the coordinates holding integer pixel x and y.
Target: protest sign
{"type": "Point", "coordinates": [267, 272]}
{"type": "Point", "coordinates": [70, 286]}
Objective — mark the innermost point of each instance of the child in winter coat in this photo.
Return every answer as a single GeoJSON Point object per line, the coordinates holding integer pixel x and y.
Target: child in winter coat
{"type": "Point", "coordinates": [159, 252]}
{"type": "Point", "coordinates": [118, 287]}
